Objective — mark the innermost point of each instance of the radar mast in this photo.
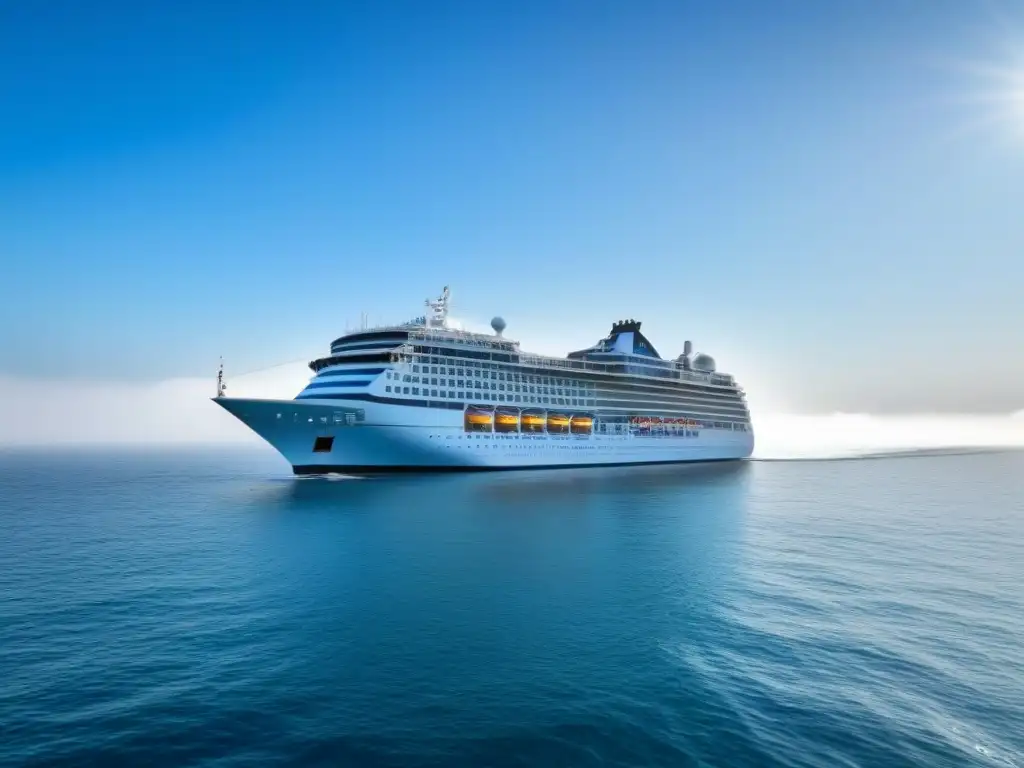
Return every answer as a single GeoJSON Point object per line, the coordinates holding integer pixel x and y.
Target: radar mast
{"type": "Point", "coordinates": [437, 310]}
{"type": "Point", "coordinates": [221, 386]}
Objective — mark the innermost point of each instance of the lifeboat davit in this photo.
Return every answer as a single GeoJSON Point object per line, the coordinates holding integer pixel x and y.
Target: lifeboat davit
{"type": "Point", "coordinates": [581, 425]}
{"type": "Point", "coordinates": [558, 423]}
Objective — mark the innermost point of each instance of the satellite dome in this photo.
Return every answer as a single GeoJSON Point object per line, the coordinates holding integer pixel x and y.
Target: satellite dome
{"type": "Point", "coordinates": [498, 324]}
{"type": "Point", "coordinates": [704, 362]}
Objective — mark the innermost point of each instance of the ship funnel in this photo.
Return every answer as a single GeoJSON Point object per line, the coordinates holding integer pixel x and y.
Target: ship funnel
{"type": "Point", "coordinates": [687, 347]}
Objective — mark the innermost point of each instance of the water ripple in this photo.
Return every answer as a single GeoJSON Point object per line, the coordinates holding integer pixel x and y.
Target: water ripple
{"type": "Point", "coordinates": [198, 608]}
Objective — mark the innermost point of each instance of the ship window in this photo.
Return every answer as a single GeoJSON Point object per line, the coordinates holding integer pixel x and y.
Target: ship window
{"type": "Point", "coordinates": [433, 369]}
{"type": "Point", "coordinates": [461, 372]}
{"type": "Point", "coordinates": [451, 394]}
{"type": "Point", "coordinates": [451, 382]}
{"type": "Point", "coordinates": [415, 390]}
{"type": "Point", "coordinates": [387, 388]}
{"type": "Point", "coordinates": [462, 395]}
{"type": "Point", "coordinates": [501, 376]}
{"type": "Point", "coordinates": [415, 369]}
{"type": "Point", "coordinates": [460, 382]}
{"type": "Point", "coordinates": [494, 375]}
{"type": "Point", "coordinates": [433, 382]}
{"type": "Point", "coordinates": [433, 393]}
{"type": "Point", "coordinates": [405, 390]}
{"type": "Point", "coordinates": [407, 377]}
{"type": "Point", "coordinates": [451, 371]}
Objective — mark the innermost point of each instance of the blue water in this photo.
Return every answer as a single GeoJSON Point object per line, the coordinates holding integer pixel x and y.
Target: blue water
{"type": "Point", "coordinates": [203, 607]}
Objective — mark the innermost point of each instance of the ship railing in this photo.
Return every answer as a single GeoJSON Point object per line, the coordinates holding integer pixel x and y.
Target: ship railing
{"type": "Point", "coordinates": [414, 323]}
{"type": "Point", "coordinates": [562, 364]}
{"type": "Point", "coordinates": [464, 337]}
{"type": "Point", "coordinates": [541, 361]}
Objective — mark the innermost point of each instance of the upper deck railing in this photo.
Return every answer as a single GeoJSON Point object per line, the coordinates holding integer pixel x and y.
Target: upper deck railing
{"type": "Point", "coordinates": [505, 347]}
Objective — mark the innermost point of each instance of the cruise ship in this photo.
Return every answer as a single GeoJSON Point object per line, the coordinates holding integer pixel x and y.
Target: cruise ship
{"type": "Point", "coordinates": [424, 396]}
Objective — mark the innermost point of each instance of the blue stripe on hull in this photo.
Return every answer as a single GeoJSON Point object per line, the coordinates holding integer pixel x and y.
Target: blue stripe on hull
{"type": "Point", "coordinates": [352, 372]}
{"type": "Point", "coordinates": [328, 384]}
{"type": "Point", "coordinates": [383, 344]}
{"type": "Point", "coordinates": [366, 396]}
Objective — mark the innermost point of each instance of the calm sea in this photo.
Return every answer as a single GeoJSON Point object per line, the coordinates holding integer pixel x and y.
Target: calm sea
{"type": "Point", "coordinates": [203, 607]}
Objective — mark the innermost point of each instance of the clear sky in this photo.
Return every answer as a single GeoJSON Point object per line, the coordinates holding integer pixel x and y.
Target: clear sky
{"type": "Point", "coordinates": [828, 197]}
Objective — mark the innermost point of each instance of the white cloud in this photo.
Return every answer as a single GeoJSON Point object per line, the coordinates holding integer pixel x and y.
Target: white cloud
{"type": "Point", "coordinates": [784, 436]}
{"type": "Point", "coordinates": [473, 326]}
{"type": "Point", "coordinates": [170, 411]}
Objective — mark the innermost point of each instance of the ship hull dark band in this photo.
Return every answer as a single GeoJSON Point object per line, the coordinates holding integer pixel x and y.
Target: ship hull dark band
{"type": "Point", "coordinates": [363, 469]}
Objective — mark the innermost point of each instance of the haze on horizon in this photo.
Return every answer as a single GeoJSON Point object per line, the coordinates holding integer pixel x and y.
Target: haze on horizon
{"type": "Point", "coordinates": [826, 199]}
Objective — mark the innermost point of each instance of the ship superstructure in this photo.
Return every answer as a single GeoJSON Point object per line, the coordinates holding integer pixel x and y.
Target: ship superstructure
{"type": "Point", "coordinates": [423, 396]}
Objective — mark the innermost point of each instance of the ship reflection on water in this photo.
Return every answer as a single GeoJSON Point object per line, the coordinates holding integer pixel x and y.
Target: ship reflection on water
{"type": "Point", "coordinates": [519, 487]}
{"type": "Point", "coordinates": [502, 530]}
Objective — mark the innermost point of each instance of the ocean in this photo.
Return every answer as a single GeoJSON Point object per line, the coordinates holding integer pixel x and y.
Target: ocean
{"type": "Point", "coordinates": [202, 607]}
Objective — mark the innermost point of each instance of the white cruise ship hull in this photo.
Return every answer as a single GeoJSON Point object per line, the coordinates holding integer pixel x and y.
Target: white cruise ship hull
{"type": "Point", "coordinates": [318, 437]}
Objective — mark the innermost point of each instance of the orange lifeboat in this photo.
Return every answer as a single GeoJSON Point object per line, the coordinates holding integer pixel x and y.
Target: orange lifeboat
{"type": "Point", "coordinates": [558, 423]}
{"type": "Point", "coordinates": [506, 422]}
{"type": "Point", "coordinates": [532, 422]}
{"type": "Point", "coordinates": [581, 425]}
{"type": "Point", "coordinates": [478, 420]}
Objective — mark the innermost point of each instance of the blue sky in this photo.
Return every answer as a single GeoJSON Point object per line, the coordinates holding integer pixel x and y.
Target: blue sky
{"type": "Point", "coordinates": [827, 197]}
